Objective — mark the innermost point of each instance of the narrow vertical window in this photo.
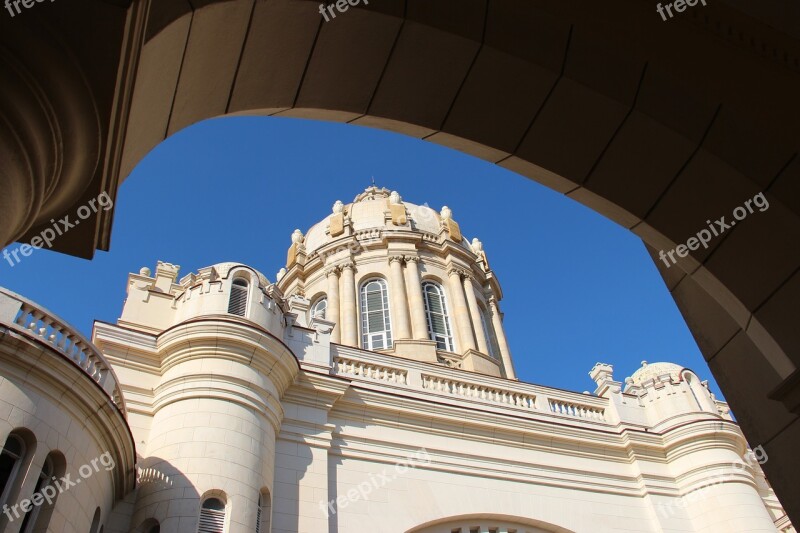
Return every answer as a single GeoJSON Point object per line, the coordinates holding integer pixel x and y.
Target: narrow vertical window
{"type": "Point", "coordinates": [10, 462]}
{"type": "Point", "coordinates": [319, 309]}
{"type": "Point", "coordinates": [439, 329]}
{"type": "Point", "coordinates": [263, 513]}
{"type": "Point", "coordinates": [376, 328]}
{"type": "Point", "coordinates": [491, 336]}
{"type": "Point", "coordinates": [238, 301]}
{"type": "Point", "coordinates": [212, 516]}
{"type": "Point", "coordinates": [38, 517]}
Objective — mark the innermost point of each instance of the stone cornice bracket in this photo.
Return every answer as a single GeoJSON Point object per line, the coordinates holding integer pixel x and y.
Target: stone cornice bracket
{"type": "Point", "coordinates": [398, 258]}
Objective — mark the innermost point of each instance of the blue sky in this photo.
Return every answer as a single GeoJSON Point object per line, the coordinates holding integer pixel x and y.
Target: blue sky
{"type": "Point", "coordinates": [578, 288]}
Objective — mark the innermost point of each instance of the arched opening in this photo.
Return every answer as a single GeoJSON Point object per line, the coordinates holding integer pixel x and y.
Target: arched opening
{"type": "Point", "coordinates": [319, 308]}
{"type": "Point", "coordinates": [212, 515]}
{"type": "Point", "coordinates": [37, 519]}
{"type": "Point", "coordinates": [15, 460]}
{"type": "Point", "coordinates": [264, 512]}
{"type": "Point", "coordinates": [237, 305]}
{"type": "Point", "coordinates": [150, 525]}
{"type": "Point", "coordinates": [376, 326]}
{"type": "Point", "coordinates": [11, 460]}
{"type": "Point", "coordinates": [439, 326]}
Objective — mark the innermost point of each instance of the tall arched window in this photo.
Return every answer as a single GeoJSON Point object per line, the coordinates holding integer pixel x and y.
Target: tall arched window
{"type": "Point", "coordinates": [238, 302]}
{"type": "Point", "coordinates": [491, 336]}
{"type": "Point", "coordinates": [38, 517]}
{"type": "Point", "coordinates": [10, 464]}
{"type": "Point", "coordinates": [263, 512]}
{"type": "Point", "coordinates": [376, 327]}
{"type": "Point", "coordinates": [439, 329]}
{"type": "Point", "coordinates": [212, 516]}
{"type": "Point", "coordinates": [319, 309]}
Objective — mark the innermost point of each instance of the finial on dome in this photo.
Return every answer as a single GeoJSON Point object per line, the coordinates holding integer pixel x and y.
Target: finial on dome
{"type": "Point", "coordinates": [338, 207]}
{"type": "Point", "coordinates": [297, 237]}
{"type": "Point", "coordinates": [395, 198]}
{"type": "Point", "coordinates": [280, 274]}
{"type": "Point", "coordinates": [446, 213]}
{"type": "Point", "coordinates": [477, 245]}
{"type": "Point", "coordinates": [644, 364]}
{"type": "Point", "coordinates": [144, 271]}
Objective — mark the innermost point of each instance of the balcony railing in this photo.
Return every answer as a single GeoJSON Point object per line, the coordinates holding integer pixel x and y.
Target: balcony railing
{"type": "Point", "coordinates": [443, 381]}
{"type": "Point", "coordinates": [22, 315]}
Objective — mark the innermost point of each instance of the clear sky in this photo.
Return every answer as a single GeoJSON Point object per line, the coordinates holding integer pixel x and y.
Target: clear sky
{"type": "Point", "coordinates": [578, 288]}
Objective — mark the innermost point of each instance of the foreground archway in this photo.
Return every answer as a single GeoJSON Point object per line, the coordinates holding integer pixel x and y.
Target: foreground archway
{"type": "Point", "coordinates": [596, 101]}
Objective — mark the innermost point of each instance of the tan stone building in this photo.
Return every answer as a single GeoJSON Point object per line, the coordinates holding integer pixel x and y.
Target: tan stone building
{"type": "Point", "coordinates": [369, 389]}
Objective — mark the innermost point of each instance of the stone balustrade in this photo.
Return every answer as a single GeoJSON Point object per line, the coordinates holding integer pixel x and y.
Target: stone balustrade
{"type": "Point", "coordinates": [21, 315]}
{"type": "Point", "coordinates": [453, 382]}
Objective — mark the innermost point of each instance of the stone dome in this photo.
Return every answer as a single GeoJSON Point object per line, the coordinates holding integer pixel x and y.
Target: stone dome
{"type": "Point", "coordinates": [648, 372]}
{"type": "Point", "coordinates": [367, 211]}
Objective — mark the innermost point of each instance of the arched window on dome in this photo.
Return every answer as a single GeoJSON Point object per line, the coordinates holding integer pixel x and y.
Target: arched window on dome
{"type": "Point", "coordinates": [491, 335]}
{"type": "Point", "coordinates": [376, 327]}
{"type": "Point", "coordinates": [439, 329]}
{"type": "Point", "coordinates": [320, 308]}
{"type": "Point", "coordinates": [237, 305]}
{"type": "Point", "coordinates": [212, 516]}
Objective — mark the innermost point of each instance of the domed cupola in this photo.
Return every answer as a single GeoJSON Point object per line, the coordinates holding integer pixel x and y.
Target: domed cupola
{"type": "Point", "coordinates": [399, 278]}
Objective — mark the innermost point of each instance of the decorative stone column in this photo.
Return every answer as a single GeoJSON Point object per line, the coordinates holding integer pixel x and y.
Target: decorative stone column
{"type": "Point", "coordinates": [475, 314]}
{"type": "Point", "coordinates": [460, 310]}
{"type": "Point", "coordinates": [500, 333]}
{"type": "Point", "coordinates": [402, 328]}
{"type": "Point", "coordinates": [419, 324]}
{"type": "Point", "coordinates": [349, 316]}
{"type": "Point", "coordinates": [333, 312]}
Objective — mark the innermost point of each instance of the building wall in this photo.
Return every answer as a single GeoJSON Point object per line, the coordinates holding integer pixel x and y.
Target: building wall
{"type": "Point", "coordinates": [61, 413]}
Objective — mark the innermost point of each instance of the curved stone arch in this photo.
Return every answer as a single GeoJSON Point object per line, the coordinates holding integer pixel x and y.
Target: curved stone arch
{"type": "Point", "coordinates": [592, 99]}
{"type": "Point", "coordinates": [487, 522]}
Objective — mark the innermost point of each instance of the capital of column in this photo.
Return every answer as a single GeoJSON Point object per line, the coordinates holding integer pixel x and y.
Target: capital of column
{"type": "Point", "coordinates": [332, 271]}
{"type": "Point", "coordinates": [349, 265]}
{"type": "Point", "coordinates": [457, 270]}
{"type": "Point", "coordinates": [398, 258]}
{"type": "Point", "coordinates": [412, 258]}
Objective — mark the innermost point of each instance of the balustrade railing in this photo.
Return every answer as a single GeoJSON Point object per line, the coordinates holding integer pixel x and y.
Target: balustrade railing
{"type": "Point", "coordinates": [22, 315]}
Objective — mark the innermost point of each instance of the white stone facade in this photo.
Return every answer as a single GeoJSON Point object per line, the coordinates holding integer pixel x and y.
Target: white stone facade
{"type": "Point", "coordinates": [387, 409]}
